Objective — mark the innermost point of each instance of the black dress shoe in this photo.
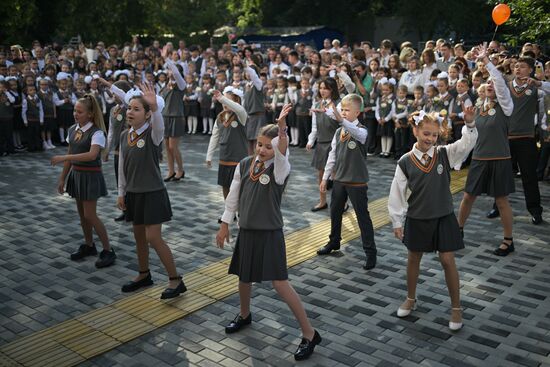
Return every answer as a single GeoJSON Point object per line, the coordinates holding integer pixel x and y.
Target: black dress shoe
{"type": "Point", "coordinates": [106, 258]}
{"type": "Point", "coordinates": [327, 249]}
{"type": "Point", "coordinates": [317, 208]}
{"type": "Point", "coordinates": [121, 217]}
{"type": "Point", "coordinates": [306, 347]}
{"type": "Point", "coordinates": [83, 251]}
{"type": "Point", "coordinates": [238, 323]}
{"type": "Point", "coordinates": [169, 178]}
{"type": "Point", "coordinates": [537, 219]}
{"type": "Point", "coordinates": [370, 263]}
{"type": "Point", "coordinates": [509, 248]}
{"type": "Point", "coordinates": [132, 286]}
{"type": "Point", "coordinates": [494, 213]}
{"type": "Point", "coordinates": [174, 292]}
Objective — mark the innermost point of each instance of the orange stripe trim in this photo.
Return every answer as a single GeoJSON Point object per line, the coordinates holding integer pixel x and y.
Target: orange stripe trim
{"type": "Point", "coordinates": [419, 164]}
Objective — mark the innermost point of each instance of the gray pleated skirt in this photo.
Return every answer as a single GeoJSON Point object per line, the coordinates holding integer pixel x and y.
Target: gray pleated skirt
{"type": "Point", "coordinates": [85, 185]}
{"type": "Point", "coordinates": [429, 235]}
{"type": "Point", "coordinates": [174, 126]}
{"type": "Point", "coordinates": [320, 155]}
{"type": "Point", "coordinates": [225, 175]}
{"type": "Point", "coordinates": [259, 256]}
{"type": "Point", "coordinates": [253, 125]}
{"type": "Point", "coordinates": [148, 207]}
{"type": "Point", "coordinates": [494, 178]}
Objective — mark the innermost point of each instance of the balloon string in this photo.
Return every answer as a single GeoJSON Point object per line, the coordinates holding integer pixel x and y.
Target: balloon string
{"type": "Point", "coordinates": [494, 34]}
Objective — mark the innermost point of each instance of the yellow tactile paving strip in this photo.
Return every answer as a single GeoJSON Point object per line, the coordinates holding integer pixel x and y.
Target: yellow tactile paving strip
{"type": "Point", "coordinates": [73, 341]}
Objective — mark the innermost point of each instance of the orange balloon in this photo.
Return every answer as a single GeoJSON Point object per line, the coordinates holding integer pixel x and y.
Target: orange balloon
{"type": "Point", "coordinates": [501, 13]}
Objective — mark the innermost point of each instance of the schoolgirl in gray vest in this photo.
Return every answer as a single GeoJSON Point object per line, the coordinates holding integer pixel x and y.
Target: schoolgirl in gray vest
{"type": "Point", "coordinates": [491, 167]}
{"type": "Point", "coordinates": [384, 116]}
{"type": "Point", "coordinates": [429, 221]}
{"type": "Point", "coordinates": [259, 254]}
{"type": "Point", "coordinates": [230, 134]}
{"type": "Point", "coordinates": [33, 118]}
{"type": "Point", "coordinates": [64, 100]}
{"type": "Point", "coordinates": [253, 104]}
{"type": "Point", "coordinates": [141, 190]}
{"type": "Point", "coordinates": [304, 102]}
{"type": "Point", "coordinates": [323, 128]}
{"type": "Point", "coordinates": [6, 119]}
{"type": "Point", "coordinates": [46, 97]}
{"type": "Point", "coordinates": [85, 182]}
{"type": "Point", "coordinates": [174, 121]}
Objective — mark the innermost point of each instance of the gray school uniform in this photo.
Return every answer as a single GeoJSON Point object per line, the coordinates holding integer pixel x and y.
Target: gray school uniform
{"type": "Point", "coordinates": [117, 122]}
{"type": "Point", "coordinates": [49, 109]}
{"type": "Point", "coordinates": [491, 167]}
{"type": "Point", "coordinates": [259, 253]}
{"type": "Point", "coordinates": [173, 112]}
{"type": "Point", "coordinates": [525, 107]}
{"type": "Point", "coordinates": [233, 147]}
{"type": "Point", "coordinates": [351, 160]}
{"type": "Point", "coordinates": [326, 127]}
{"type": "Point", "coordinates": [147, 200]}
{"type": "Point", "coordinates": [430, 224]}
{"type": "Point", "coordinates": [385, 108]}
{"type": "Point", "coordinates": [254, 106]}
{"type": "Point", "coordinates": [6, 108]}
{"type": "Point", "coordinates": [33, 110]}
{"type": "Point", "coordinates": [85, 181]}
{"type": "Point", "coordinates": [65, 111]}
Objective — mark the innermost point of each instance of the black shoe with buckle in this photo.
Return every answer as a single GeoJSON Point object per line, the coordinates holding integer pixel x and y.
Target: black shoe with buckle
{"type": "Point", "coordinates": [174, 292]}
{"type": "Point", "coordinates": [83, 251]}
{"type": "Point", "coordinates": [306, 347]}
{"type": "Point", "coordinates": [494, 213]}
{"type": "Point", "coordinates": [238, 323]}
{"type": "Point", "coordinates": [132, 286]}
{"type": "Point", "coordinates": [509, 247]}
{"type": "Point", "coordinates": [327, 249]}
{"type": "Point", "coordinates": [106, 258]}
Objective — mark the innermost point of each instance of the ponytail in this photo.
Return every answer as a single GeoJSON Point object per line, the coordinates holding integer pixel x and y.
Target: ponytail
{"type": "Point", "coordinates": [92, 106]}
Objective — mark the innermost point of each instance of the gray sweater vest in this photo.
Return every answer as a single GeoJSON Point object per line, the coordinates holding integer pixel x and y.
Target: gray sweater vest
{"type": "Point", "coordinates": [47, 104]}
{"type": "Point", "coordinates": [83, 145]}
{"type": "Point", "coordinates": [253, 100]}
{"type": "Point", "coordinates": [141, 163]}
{"type": "Point", "coordinates": [117, 123]}
{"type": "Point", "coordinates": [233, 141]}
{"type": "Point", "coordinates": [65, 106]}
{"type": "Point", "coordinates": [522, 121]}
{"type": "Point", "coordinates": [351, 160]}
{"type": "Point", "coordinates": [430, 193]}
{"type": "Point", "coordinates": [173, 99]}
{"type": "Point", "coordinates": [33, 112]}
{"type": "Point", "coordinates": [326, 127]}
{"type": "Point", "coordinates": [303, 104]}
{"type": "Point", "coordinates": [492, 141]}
{"type": "Point", "coordinates": [259, 204]}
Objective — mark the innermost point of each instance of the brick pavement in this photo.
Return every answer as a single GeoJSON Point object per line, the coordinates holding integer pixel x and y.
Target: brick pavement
{"type": "Point", "coordinates": [506, 300]}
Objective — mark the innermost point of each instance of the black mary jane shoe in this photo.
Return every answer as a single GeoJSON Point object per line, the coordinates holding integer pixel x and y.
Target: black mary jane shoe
{"type": "Point", "coordinates": [327, 249]}
{"type": "Point", "coordinates": [306, 347]}
{"type": "Point", "coordinates": [238, 323]}
{"type": "Point", "coordinates": [174, 292]}
{"type": "Point", "coordinates": [132, 286]}
{"type": "Point", "coordinates": [509, 247]}
{"type": "Point", "coordinates": [83, 251]}
{"type": "Point", "coordinates": [169, 178]}
{"type": "Point", "coordinates": [318, 208]}
{"type": "Point", "coordinates": [494, 213]}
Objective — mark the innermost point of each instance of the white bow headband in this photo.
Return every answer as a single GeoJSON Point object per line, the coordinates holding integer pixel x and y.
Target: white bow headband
{"type": "Point", "coordinates": [135, 92]}
{"type": "Point", "coordinates": [419, 117]}
{"type": "Point", "coordinates": [385, 80]}
{"type": "Point", "coordinates": [235, 91]}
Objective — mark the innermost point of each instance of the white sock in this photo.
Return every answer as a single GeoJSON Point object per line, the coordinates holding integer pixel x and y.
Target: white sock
{"type": "Point", "coordinates": [389, 143]}
{"type": "Point", "coordinates": [195, 122]}
{"type": "Point", "coordinates": [210, 124]}
{"type": "Point", "coordinates": [383, 141]}
{"type": "Point", "coordinates": [189, 125]}
{"type": "Point", "coordinates": [61, 134]}
{"type": "Point", "coordinates": [295, 134]}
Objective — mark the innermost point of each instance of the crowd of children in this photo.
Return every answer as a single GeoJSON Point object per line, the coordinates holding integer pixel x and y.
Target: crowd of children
{"type": "Point", "coordinates": [344, 103]}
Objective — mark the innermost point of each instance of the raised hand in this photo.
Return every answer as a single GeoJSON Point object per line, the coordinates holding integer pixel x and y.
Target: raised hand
{"type": "Point", "coordinates": [468, 114]}
{"type": "Point", "coordinates": [217, 95]}
{"type": "Point", "coordinates": [281, 121]}
{"type": "Point", "coordinates": [149, 95]}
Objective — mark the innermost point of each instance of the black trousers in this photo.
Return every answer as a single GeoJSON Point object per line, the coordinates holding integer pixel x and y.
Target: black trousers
{"type": "Point", "coordinates": [304, 126]}
{"type": "Point", "coordinates": [34, 139]}
{"type": "Point", "coordinates": [543, 159]}
{"type": "Point", "coordinates": [359, 199]}
{"type": "Point", "coordinates": [402, 141]}
{"type": "Point", "coordinates": [524, 152]}
{"type": "Point", "coordinates": [115, 161]}
{"type": "Point", "coordinates": [372, 127]}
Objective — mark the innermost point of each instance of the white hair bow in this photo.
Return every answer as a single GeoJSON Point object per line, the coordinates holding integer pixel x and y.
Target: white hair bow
{"type": "Point", "coordinates": [442, 75]}
{"type": "Point", "coordinates": [419, 117]}
{"type": "Point", "coordinates": [88, 79]}
{"type": "Point", "coordinates": [385, 80]}
{"type": "Point", "coordinates": [392, 81]}
{"type": "Point", "coordinates": [108, 73]}
{"type": "Point", "coordinates": [135, 92]}
{"type": "Point", "coordinates": [235, 91]}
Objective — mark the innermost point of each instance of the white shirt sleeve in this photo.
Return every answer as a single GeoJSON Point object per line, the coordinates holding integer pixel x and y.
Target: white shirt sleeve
{"type": "Point", "coordinates": [348, 83]}
{"type": "Point", "coordinates": [118, 92]}
{"type": "Point", "coordinates": [281, 165]}
{"type": "Point", "coordinates": [176, 73]}
{"type": "Point", "coordinates": [377, 109]}
{"type": "Point", "coordinates": [545, 86]}
{"type": "Point", "coordinates": [331, 159]}
{"type": "Point", "coordinates": [213, 144]}
{"type": "Point", "coordinates": [501, 90]}
{"type": "Point", "coordinates": [313, 134]}
{"type": "Point", "coordinates": [157, 125]}
{"type": "Point", "coordinates": [254, 78]}
{"type": "Point", "coordinates": [459, 150]}
{"type": "Point", "coordinates": [73, 98]}
{"type": "Point", "coordinates": [397, 201]}
{"type": "Point", "coordinates": [237, 108]}
{"type": "Point", "coordinates": [40, 112]}
{"type": "Point", "coordinates": [358, 133]}
{"type": "Point", "coordinates": [10, 97]}
{"type": "Point", "coordinates": [24, 111]}
{"type": "Point", "coordinates": [232, 199]}
{"type": "Point", "coordinates": [121, 176]}
{"type": "Point", "coordinates": [98, 138]}
{"type": "Point", "coordinates": [109, 138]}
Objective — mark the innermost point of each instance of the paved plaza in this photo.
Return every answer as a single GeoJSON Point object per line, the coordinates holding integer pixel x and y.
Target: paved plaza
{"type": "Point", "coordinates": [506, 300]}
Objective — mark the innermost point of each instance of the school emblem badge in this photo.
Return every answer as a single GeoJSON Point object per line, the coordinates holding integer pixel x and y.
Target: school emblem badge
{"type": "Point", "coordinates": [119, 117]}
{"type": "Point", "coordinates": [439, 168]}
{"type": "Point", "coordinates": [352, 145]}
{"type": "Point", "coordinates": [234, 124]}
{"type": "Point", "coordinates": [264, 179]}
{"type": "Point", "coordinates": [528, 92]}
{"type": "Point", "coordinates": [492, 112]}
{"type": "Point", "coordinates": [141, 143]}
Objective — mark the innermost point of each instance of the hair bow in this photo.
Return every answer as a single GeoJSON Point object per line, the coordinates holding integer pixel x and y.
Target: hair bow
{"type": "Point", "coordinates": [88, 79]}
{"type": "Point", "coordinates": [135, 92]}
{"type": "Point", "coordinates": [235, 91]}
{"type": "Point", "coordinates": [442, 75]}
{"type": "Point", "coordinates": [392, 81]}
{"type": "Point", "coordinates": [419, 117]}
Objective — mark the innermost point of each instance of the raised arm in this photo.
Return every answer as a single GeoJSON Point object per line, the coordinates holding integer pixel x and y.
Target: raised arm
{"type": "Point", "coordinates": [176, 73]}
